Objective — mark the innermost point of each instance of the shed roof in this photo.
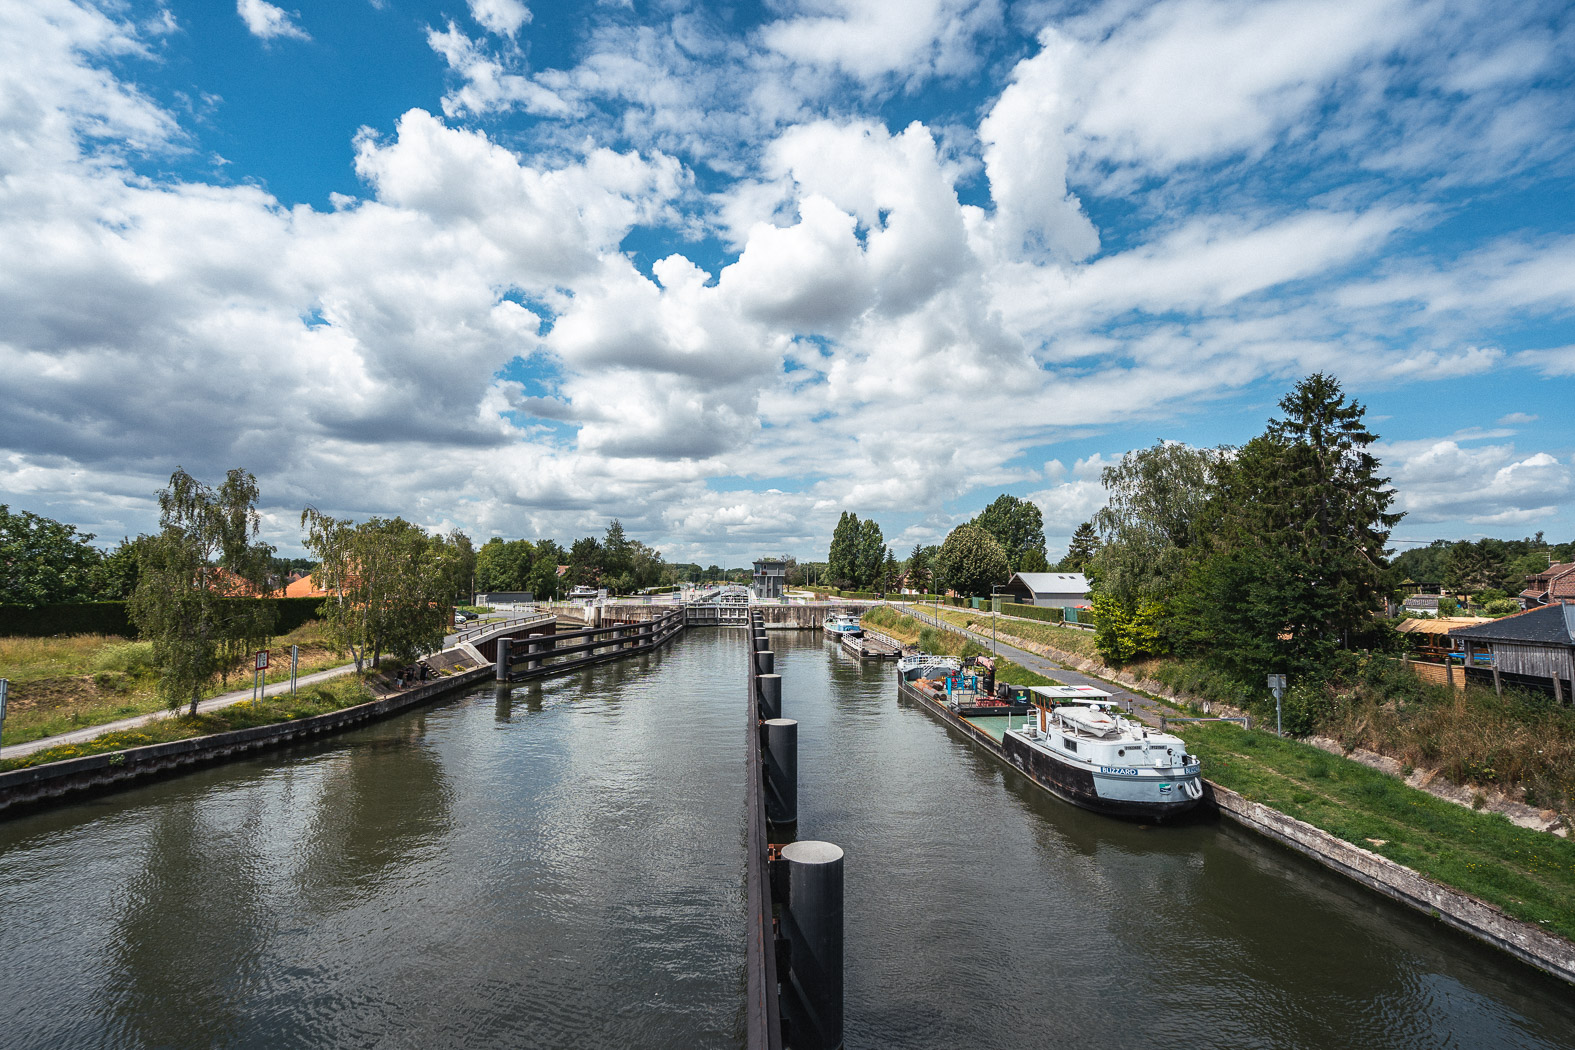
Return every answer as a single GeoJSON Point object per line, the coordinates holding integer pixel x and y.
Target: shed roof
{"type": "Point", "coordinates": [1439, 624]}
{"type": "Point", "coordinates": [1549, 625]}
{"type": "Point", "coordinates": [1053, 582]}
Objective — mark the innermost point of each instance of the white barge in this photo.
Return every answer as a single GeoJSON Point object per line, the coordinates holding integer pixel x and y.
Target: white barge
{"type": "Point", "coordinates": [1079, 745]}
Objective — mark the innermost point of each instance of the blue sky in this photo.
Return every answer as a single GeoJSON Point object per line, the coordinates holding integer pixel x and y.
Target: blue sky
{"type": "Point", "coordinates": [726, 270]}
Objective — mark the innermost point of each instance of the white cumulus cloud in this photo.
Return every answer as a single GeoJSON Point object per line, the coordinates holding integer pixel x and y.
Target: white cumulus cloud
{"type": "Point", "coordinates": [267, 22]}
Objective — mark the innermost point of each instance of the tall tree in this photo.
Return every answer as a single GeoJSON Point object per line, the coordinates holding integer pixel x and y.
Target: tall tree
{"type": "Point", "coordinates": [505, 565]}
{"type": "Point", "coordinates": [871, 554]}
{"type": "Point", "coordinates": [44, 561]}
{"type": "Point", "coordinates": [115, 576]}
{"type": "Point", "coordinates": [1081, 551]}
{"type": "Point", "coordinates": [585, 563]}
{"type": "Point", "coordinates": [1017, 525]}
{"type": "Point", "coordinates": [918, 568]}
{"type": "Point", "coordinates": [198, 583]}
{"type": "Point", "coordinates": [1303, 522]}
{"type": "Point", "coordinates": [389, 584]}
{"type": "Point", "coordinates": [842, 559]}
{"type": "Point", "coordinates": [545, 584]}
{"type": "Point", "coordinates": [1154, 522]}
{"type": "Point", "coordinates": [617, 559]}
{"type": "Point", "coordinates": [971, 560]}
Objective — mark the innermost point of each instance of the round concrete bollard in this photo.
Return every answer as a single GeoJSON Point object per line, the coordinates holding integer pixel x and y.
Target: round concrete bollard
{"type": "Point", "coordinates": [812, 1000]}
{"type": "Point", "coordinates": [781, 770]}
{"type": "Point", "coordinates": [501, 670]}
{"type": "Point", "coordinates": [770, 696]}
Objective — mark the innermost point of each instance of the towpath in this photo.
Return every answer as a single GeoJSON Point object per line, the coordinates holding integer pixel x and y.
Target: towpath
{"type": "Point", "coordinates": [1145, 708]}
{"type": "Point", "coordinates": [78, 736]}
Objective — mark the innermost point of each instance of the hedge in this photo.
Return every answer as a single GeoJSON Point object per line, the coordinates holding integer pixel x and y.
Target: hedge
{"type": "Point", "coordinates": [44, 621]}
{"type": "Point", "coordinates": [1049, 613]}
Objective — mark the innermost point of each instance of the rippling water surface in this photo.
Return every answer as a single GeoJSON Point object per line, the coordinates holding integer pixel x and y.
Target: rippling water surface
{"type": "Point", "coordinates": [562, 866]}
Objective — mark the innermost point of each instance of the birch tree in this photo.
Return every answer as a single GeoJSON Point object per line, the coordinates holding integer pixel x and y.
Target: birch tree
{"type": "Point", "coordinates": [200, 581]}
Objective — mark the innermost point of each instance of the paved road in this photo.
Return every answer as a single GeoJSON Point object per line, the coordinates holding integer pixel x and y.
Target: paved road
{"type": "Point", "coordinates": [1141, 706]}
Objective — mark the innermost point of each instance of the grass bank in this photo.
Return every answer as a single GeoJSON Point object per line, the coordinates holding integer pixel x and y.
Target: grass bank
{"type": "Point", "coordinates": [63, 684]}
{"type": "Point", "coordinates": [929, 639]}
{"type": "Point", "coordinates": [314, 700]}
{"type": "Point", "coordinates": [1066, 639]}
{"type": "Point", "coordinates": [1530, 874]}
{"type": "Point", "coordinates": [1521, 744]}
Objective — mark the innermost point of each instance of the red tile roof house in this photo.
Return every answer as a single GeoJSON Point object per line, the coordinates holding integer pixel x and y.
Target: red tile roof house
{"type": "Point", "coordinates": [1555, 583]}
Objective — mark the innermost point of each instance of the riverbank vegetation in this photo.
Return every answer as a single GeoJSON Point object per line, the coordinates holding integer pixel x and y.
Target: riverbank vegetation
{"type": "Point", "coordinates": [318, 699]}
{"type": "Point", "coordinates": [62, 684]}
{"type": "Point", "coordinates": [929, 639]}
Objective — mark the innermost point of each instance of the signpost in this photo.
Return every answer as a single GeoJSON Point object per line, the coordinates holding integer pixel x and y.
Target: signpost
{"type": "Point", "coordinates": [1277, 687]}
{"type": "Point", "coordinates": [257, 675]}
{"type": "Point", "coordinates": [4, 684]}
{"type": "Point", "coordinates": [295, 662]}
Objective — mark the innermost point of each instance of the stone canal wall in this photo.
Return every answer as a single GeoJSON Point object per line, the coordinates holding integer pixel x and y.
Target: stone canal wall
{"type": "Point", "coordinates": [1464, 912]}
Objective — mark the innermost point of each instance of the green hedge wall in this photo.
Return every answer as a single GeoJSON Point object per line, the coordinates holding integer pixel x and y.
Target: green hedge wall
{"type": "Point", "coordinates": [1048, 613]}
{"type": "Point", "coordinates": [46, 621]}
{"type": "Point", "coordinates": [43, 621]}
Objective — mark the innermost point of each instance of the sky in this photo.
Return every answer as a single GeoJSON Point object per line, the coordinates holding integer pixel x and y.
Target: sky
{"type": "Point", "coordinates": [723, 271]}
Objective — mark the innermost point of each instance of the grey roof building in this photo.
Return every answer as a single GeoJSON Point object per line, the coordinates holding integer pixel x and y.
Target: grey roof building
{"type": "Point", "coordinates": [1534, 649]}
{"type": "Point", "coordinates": [1067, 590]}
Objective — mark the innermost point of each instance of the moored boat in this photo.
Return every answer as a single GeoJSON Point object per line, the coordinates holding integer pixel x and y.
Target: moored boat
{"type": "Point", "coordinates": [1078, 744]}
{"type": "Point", "coordinates": [839, 625]}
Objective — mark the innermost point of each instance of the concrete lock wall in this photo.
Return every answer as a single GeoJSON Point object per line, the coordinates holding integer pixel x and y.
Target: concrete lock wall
{"type": "Point", "coordinates": [1460, 910]}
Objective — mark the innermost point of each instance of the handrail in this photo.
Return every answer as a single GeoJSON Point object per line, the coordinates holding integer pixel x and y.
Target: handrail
{"type": "Point", "coordinates": [471, 633]}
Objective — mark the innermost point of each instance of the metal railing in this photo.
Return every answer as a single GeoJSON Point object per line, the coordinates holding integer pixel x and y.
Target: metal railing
{"type": "Point", "coordinates": [470, 634]}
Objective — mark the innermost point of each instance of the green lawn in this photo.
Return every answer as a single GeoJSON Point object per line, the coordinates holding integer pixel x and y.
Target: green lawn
{"type": "Point", "coordinates": [1530, 874]}
{"type": "Point", "coordinates": [315, 700]}
{"type": "Point", "coordinates": [1066, 639]}
{"type": "Point", "coordinates": [59, 685]}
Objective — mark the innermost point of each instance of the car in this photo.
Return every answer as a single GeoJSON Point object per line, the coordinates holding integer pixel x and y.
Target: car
{"type": "Point", "coordinates": [460, 617]}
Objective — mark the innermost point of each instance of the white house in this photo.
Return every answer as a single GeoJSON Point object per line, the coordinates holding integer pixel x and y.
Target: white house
{"type": "Point", "coordinates": [1067, 590]}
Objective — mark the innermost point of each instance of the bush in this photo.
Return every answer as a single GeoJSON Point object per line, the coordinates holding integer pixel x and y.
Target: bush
{"type": "Point", "coordinates": [131, 658]}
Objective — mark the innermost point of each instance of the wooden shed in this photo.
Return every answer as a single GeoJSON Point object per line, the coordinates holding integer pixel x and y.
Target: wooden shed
{"type": "Point", "coordinates": [1535, 649]}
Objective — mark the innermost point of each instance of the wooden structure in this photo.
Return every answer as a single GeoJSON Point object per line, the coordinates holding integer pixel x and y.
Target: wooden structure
{"type": "Point", "coordinates": [1534, 649]}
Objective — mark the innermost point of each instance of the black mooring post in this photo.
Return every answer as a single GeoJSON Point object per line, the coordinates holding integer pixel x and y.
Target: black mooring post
{"type": "Point", "coordinates": [770, 697]}
{"type": "Point", "coordinates": [812, 924]}
{"type": "Point", "coordinates": [503, 660]}
{"type": "Point", "coordinates": [781, 770]}
{"type": "Point", "coordinates": [765, 661]}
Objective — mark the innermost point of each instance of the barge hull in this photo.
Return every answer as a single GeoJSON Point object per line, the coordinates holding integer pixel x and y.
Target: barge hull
{"type": "Point", "coordinates": [1034, 771]}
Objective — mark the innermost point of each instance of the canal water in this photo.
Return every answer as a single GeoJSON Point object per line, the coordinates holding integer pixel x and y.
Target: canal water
{"type": "Point", "coordinates": [562, 865]}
